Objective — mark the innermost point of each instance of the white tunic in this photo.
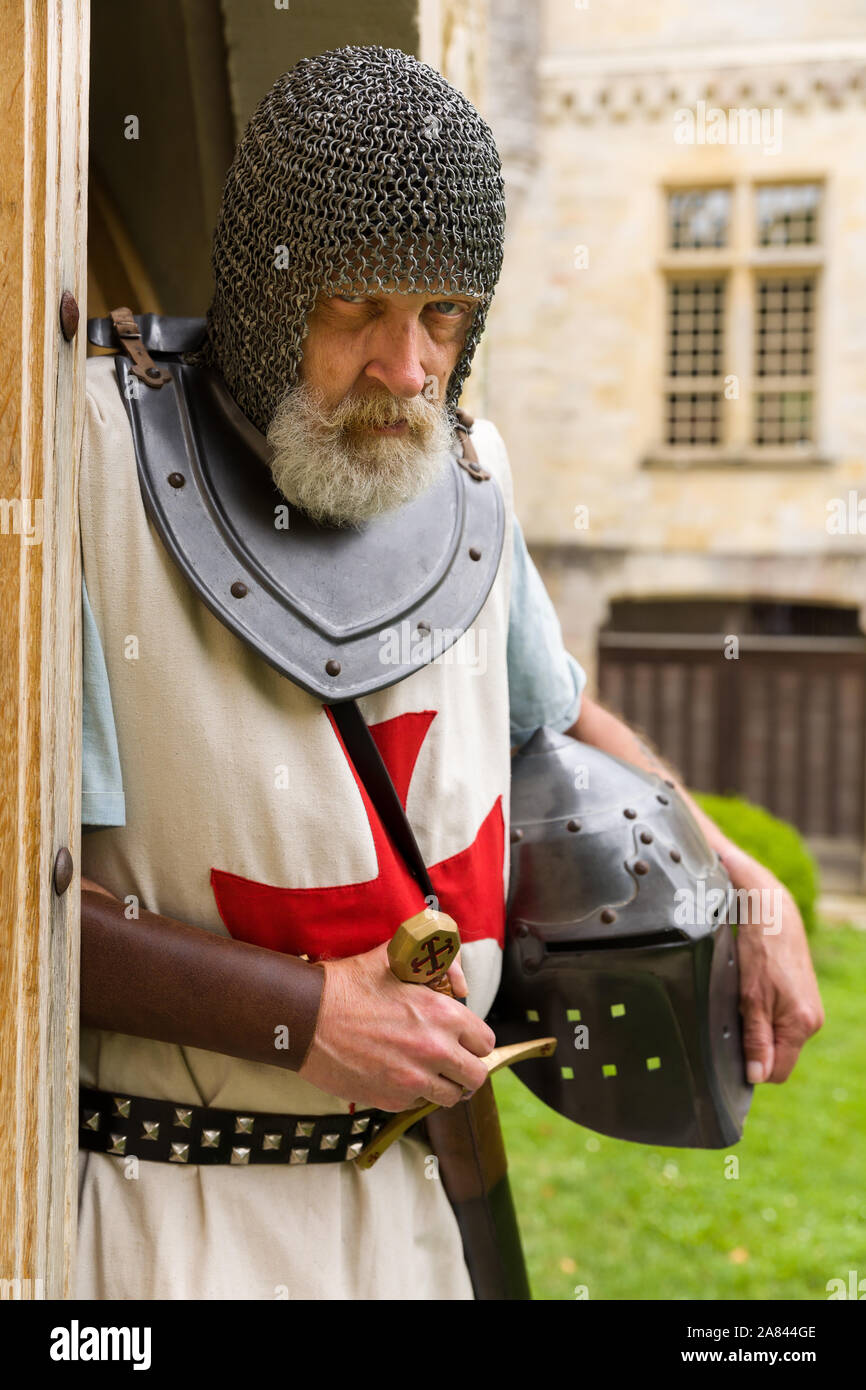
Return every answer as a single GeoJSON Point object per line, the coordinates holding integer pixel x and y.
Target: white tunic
{"type": "Point", "coordinates": [245, 817]}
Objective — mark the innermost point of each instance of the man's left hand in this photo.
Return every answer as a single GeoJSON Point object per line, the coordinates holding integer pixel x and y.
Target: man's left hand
{"type": "Point", "coordinates": [779, 997]}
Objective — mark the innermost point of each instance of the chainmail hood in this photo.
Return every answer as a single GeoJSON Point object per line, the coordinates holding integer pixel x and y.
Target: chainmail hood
{"type": "Point", "coordinates": [360, 169]}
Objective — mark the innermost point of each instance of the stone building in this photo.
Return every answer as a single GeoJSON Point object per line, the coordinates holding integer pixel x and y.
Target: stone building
{"type": "Point", "coordinates": [676, 361]}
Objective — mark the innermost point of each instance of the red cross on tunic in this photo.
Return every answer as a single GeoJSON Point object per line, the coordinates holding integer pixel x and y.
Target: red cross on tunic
{"type": "Point", "coordinates": [346, 919]}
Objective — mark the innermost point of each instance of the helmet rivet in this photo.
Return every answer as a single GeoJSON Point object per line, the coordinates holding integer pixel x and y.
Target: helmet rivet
{"type": "Point", "coordinates": [333, 667]}
{"type": "Point", "coordinates": [668, 782]}
{"type": "Point", "coordinates": [646, 837]}
{"type": "Point", "coordinates": [176, 479]}
{"type": "Point", "coordinates": [641, 866]}
{"type": "Point", "coordinates": [608, 914]}
{"type": "Point", "coordinates": [521, 930]}
{"type": "Point", "coordinates": [474, 553]}
{"type": "Point", "coordinates": [239, 590]}
{"type": "Point", "coordinates": [630, 813]}
{"type": "Point", "coordinates": [573, 825]}
{"type": "Point", "coordinates": [676, 856]}
{"type": "Point", "coordinates": [663, 799]}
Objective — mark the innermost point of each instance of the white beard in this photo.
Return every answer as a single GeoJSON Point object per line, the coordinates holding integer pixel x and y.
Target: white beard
{"type": "Point", "coordinates": [334, 467]}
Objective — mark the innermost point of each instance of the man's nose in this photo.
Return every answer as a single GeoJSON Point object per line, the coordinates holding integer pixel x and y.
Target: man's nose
{"type": "Point", "coordinates": [395, 359]}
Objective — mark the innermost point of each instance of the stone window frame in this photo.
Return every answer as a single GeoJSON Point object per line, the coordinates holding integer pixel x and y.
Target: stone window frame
{"type": "Point", "coordinates": [742, 263]}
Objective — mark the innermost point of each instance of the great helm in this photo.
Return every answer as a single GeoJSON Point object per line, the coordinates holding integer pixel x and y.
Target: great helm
{"type": "Point", "coordinates": [618, 943]}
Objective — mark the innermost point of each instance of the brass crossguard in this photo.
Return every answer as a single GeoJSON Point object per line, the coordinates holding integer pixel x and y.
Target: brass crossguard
{"type": "Point", "coordinates": [499, 1057]}
{"type": "Point", "coordinates": [421, 952]}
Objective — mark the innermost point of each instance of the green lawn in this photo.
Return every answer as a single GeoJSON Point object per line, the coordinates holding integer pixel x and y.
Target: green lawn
{"type": "Point", "coordinates": [629, 1221]}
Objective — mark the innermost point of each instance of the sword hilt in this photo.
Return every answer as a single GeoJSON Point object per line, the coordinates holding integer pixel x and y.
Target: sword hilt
{"type": "Point", "coordinates": [421, 952]}
{"type": "Point", "coordinates": [423, 949]}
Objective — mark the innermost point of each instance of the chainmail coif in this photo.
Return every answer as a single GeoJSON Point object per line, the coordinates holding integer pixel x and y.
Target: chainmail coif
{"type": "Point", "coordinates": [359, 168]}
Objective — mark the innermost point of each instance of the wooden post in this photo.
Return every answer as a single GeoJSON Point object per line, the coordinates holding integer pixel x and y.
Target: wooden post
{"type": "Point", "coordinates": [44, 72]}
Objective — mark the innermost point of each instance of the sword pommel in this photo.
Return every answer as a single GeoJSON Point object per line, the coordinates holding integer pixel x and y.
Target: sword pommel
{"type": "Point", "coordinates": [424, 947]}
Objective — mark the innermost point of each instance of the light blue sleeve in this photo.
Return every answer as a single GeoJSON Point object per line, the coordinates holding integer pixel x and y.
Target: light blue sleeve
{"type": "Point", "coordinates": [545, 683]}
{"type": "Point", "coordinates": [102, 801]}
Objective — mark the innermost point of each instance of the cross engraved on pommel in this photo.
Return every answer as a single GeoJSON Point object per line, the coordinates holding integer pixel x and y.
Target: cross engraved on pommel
{"type": "Point", "coordinates": [433, 947]}
{"type": "Point", "coordinates": [423, 947]}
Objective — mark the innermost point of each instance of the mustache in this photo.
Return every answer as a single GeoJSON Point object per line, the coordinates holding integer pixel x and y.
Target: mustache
{"type": "Point", "coordinates": [356, 412]}
{"type": "Point", "coordinates": [326, 462]}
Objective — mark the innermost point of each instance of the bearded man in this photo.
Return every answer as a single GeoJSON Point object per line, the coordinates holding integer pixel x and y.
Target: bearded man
{"type": "Point", "coordinates": [242, 1033]}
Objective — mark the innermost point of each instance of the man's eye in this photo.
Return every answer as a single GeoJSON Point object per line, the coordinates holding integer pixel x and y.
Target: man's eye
{"type": "Point", "coordinates": [351, 298]}
{"type": "Point", "coordinates": [448, 306]}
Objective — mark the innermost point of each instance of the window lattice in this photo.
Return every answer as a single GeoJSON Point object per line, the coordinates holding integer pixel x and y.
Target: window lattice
{"type": "Point", "coordinates": [783, 417]}
{"type": "Point", "coordinates": [788, 214]}
{"type": "Point", "coordinates": [698, 218]}
{"type": "Point", "coordinates": [776, 292]}
{"type": "Point", "coordinates": [695, 327]}
{"type": "Point", "coordinates": [785, 321]}
{"type": "Point", "coordinates": [784, 359]}
{"type": "Point", "coordinates": [694, 417]}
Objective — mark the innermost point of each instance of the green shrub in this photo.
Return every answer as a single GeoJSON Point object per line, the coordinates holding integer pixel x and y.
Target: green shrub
{"type": "Point", "coordinates": [774, 843]}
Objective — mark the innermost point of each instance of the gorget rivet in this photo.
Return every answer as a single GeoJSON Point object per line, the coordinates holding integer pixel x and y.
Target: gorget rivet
{"type": "Point", "coordinates": [641, 866]}
{"type": "Point", "coordinates": [646, 837]}
{"type": "Point", "coordinates": [573, 825]}
{"type": "Point", "coordinates": [521, 930]}
{"type": "Point", "coordinates": [176, 479]}
{"type": "Point", "coordinates": [474, 553]}
{"type": "Point", "coordinates": [239, 589]}
{"type": "Point", "coordinates": [663, 799]}
{"type": "Point", "coordinates": [676, 856]}
{"type": "Point", "coordinates": [630, 813]}
{"type": "Point", "coordinates": [333, 667]}
{"type": "Point", "coordinates": [516, 834]}
{"type": "Point", "coordinates": [608, 914]}
{"type": "Point", "coordinates": [152, 372]}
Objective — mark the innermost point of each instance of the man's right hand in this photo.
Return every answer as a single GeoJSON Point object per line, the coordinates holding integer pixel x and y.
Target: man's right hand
{"type": "Point", "coordinates": [380, 1042]}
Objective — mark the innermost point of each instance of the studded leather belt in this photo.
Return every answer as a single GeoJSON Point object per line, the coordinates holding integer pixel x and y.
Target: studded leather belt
{"type": "Point", "coordinates": [165, 1132]}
